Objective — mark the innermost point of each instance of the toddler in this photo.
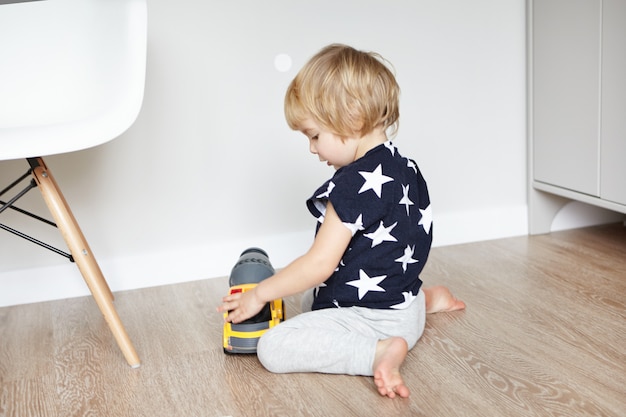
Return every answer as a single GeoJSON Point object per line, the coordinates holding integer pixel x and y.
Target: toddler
{"type": "Point", "coordinates": [364, 306]}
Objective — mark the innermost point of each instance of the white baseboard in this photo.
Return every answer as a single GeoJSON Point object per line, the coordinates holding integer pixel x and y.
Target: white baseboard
{"type": "Point", "coordinates": [146, 270]}
{"type": "Point", "coordinates": [216, 260]}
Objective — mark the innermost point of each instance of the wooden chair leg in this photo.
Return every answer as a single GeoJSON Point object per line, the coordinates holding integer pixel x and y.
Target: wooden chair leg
{"type": "Point", "coordinates": [83, 257]}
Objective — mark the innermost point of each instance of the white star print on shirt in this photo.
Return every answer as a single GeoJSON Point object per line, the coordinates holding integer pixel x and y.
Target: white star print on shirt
{"type": "Point", "coordinates": [341, 263]}
{"type": "Point", "coordinates": [374, 180]}
{"type": "Point", "coordinates": [326, 194]}
{"type": "Point", "coordinates": [366, 284]}
{"type": "Point", "coordinates": [405, 198]}
{"type": "Point", "coordinates": [316, 290]}
{"type": "Point", "coordinates": [427, 219]}
{"type": "Point", "coordinates": [382, 234]}
{"type": "Point", "coordinates": [411, 164]}
{"type": "Point", "coordinates": [408, 299]}
{"type": "Point", "coordinates": [320, 205]}
{"type": "Point", "coordinates": [356, 226]}
{"type": "Point", "coordinates": [407, 258]}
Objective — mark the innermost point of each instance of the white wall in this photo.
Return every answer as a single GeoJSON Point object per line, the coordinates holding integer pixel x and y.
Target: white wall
{"type": "Point", "coordinates": [210, 167]}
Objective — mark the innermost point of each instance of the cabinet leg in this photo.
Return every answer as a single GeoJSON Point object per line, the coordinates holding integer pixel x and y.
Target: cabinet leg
{"type": "Point", "coordinates": [83, 257]}
{"type": "Point", "coordinates": [542, 208]}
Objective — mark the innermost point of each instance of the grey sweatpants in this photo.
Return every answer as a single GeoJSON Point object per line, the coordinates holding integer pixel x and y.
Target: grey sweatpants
{"type": "Point", "coordinates": [338, 340]}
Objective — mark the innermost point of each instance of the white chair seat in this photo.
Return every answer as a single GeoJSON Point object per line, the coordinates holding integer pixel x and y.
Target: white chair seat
{"type": "Point", "coordinates": [72, 73]}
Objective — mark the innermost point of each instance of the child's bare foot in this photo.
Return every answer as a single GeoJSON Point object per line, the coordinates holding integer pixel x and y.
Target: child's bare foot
{"type": "Point", "coordinates": [439, 299]}
{"type": "Point", "coordinates": [390, 354]}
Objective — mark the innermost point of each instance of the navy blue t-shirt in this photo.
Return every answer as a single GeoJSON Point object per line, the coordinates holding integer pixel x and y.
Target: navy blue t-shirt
{"type": "Point", "coordinates": [383, 199]}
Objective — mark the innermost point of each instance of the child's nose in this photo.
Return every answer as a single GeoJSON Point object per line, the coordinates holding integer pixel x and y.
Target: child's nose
{"type": "Point", "coordinates": [312, 147]}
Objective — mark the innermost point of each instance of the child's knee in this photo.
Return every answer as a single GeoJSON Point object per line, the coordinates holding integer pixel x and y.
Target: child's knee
{"type": "Point", "coordinates": [267, 353]}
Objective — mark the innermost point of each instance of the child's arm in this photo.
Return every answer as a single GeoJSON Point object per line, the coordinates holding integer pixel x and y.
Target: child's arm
{"type": "Point", "coordinates": [307, 271]}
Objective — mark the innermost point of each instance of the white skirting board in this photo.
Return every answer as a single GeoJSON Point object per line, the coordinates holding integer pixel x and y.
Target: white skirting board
{"type": "Point", "coordinates": [216, 260]}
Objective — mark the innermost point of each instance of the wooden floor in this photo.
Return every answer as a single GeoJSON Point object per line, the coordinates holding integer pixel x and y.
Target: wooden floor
{"type": "Point", "coordinates": [544, 334]}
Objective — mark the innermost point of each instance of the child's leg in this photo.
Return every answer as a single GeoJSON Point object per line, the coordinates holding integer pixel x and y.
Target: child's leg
{"type": "Point", "coordinates": [324, 341]}
{"type": "Point", "coordinates": [345, 341]}
{"type": "Point", "coordinates": [390, 354]}
{"type": "Point", "coordinates": [440, 299]}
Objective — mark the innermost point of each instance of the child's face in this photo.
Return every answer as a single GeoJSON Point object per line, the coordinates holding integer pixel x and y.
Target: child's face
{"type": "Point", "coordinates": [329, 147]}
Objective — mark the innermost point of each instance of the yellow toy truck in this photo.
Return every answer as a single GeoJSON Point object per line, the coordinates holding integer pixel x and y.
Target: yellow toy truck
{"type": "Point", "coordinates": [252, 267]}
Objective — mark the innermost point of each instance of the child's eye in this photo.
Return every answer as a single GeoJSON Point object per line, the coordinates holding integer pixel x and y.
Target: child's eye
{"type": "Point", "coordinates": [315, 137]}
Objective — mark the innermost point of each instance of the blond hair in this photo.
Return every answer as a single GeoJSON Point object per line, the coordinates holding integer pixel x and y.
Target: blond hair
{"type": "Point", "coordinates": [345, 91]}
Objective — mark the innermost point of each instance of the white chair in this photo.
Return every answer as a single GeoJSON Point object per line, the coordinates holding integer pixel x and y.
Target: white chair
{"type": "Point", "coordinates": [72, 76]}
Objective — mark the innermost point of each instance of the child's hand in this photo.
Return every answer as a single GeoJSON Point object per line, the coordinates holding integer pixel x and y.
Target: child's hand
{"type": "Point", "coordinates": [241, 306]}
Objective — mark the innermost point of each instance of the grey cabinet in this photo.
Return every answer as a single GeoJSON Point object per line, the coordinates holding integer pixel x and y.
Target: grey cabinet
{"type": "Point", "coordinates": [577, 105]}
{"type": "Point", "coordinates": [613, 103]}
